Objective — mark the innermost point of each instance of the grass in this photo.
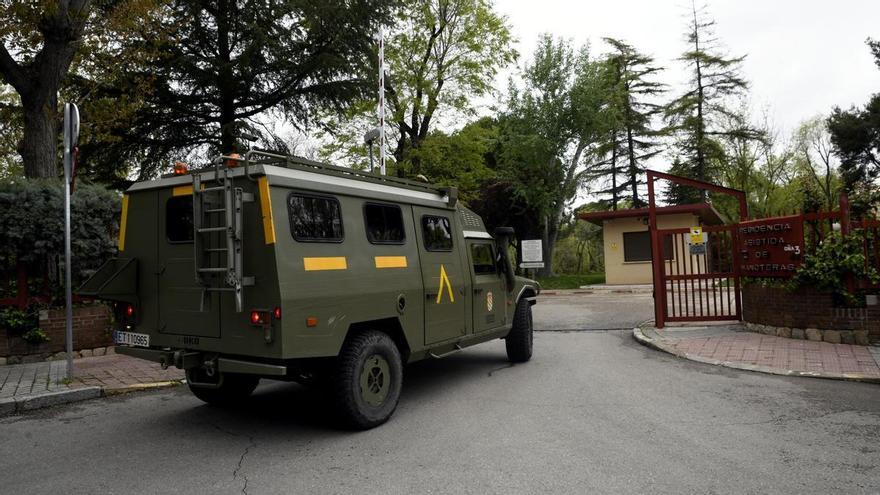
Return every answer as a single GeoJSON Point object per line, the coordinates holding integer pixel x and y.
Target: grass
{"type": "Point", "coordinates": [571, 281]}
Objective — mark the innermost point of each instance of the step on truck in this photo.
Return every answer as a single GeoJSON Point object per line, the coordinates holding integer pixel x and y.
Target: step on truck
{"type": "Point", "coordinates": [278, 267]}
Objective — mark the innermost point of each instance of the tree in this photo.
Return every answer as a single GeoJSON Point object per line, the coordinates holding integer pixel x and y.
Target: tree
{"type": "Point", "coordinates": [855, 134]}
{"type": "Point", "coordinates": [695, 115]}
{"type": "Point", "coordinates": [10, 133]}
{"type": "Point", "coordinates": [38, 42]}
{"type": "Point", "coordinates": [551, 126]}
{"type": "Point", "coordinates": [223, 65]}
{"type": "Point", "coordinates": [814, 154]}
{"type": "Point", "coordinates": [439, 55]}
{"type": "Point", "coordinates": [634, 95]}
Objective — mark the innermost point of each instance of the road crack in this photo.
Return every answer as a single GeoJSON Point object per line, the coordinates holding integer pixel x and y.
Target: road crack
{"type": "Point", "coordinates": [235, 472]}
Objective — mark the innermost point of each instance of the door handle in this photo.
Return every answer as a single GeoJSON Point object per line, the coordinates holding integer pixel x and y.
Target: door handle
{"type": "Point", "coordinates": [478, 291]}
{"type": "Point", "coordinates": [428, 295]}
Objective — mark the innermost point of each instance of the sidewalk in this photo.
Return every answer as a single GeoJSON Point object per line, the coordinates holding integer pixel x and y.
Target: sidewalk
{"type": "Point", "coordinates": [35, 385]}
{"type": "Point", "coordinates": [733, 347]}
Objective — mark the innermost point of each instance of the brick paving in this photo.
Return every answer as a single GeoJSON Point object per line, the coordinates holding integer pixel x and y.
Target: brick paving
{"type": "Point", "coordinates": [730, 344]}
{"type": "Point", "coordinates": [112, 372]}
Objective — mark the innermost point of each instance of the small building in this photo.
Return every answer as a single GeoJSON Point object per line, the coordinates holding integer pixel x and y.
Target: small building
{"type": "Point", "coordinates": [627, 242]}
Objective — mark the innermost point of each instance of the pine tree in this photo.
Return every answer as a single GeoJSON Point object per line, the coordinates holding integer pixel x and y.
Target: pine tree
{"type": "Point", "coordinates": [635, 95]}
{"type": "Point", "coordinates": [696, 116]}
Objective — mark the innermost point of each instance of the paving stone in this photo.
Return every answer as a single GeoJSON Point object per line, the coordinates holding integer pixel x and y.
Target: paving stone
{"type": "Point", "coordinates": [85, 353]}
{"type": "Point", "coordinates": [2, 361]}
{"type": "Point", "coordinates": [846, 337]}
{"type": "Point", "coordinates": [798, 333]}
{"type": "Point", "coordinates": [100, 351]}
{"type": "Point", "coordinates": [814, 334]}
{"type": "Point", "coordinates": [783, 332]}
{"type": "Point", "coordinates": [860, 337]}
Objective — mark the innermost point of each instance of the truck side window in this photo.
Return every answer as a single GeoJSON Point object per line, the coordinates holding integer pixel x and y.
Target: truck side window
{"type": "Point", "coordinates": [314, 218]}
{"type": "Point", "coordinates": [482, 259]}
{"type": "Point", "coordinates": [179, 219]}
{"type": "Point", "coordinates": [384, 224]}
{"type": "Point", "coordinates": [437, 233]}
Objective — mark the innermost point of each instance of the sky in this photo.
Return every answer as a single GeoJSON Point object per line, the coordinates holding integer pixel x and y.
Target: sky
{"type": "Point", "coordinates": [803, 57]}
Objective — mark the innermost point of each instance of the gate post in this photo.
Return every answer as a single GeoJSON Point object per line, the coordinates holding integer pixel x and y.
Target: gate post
{"type": "Point", "coordinates": [656, 257]}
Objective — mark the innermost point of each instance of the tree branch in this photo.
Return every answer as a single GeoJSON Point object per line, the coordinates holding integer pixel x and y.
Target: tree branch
{"type": "Point", "coordinates": [12, 72]}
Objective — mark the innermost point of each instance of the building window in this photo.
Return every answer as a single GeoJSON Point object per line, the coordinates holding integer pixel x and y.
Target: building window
{"type": "Point", "coordinates": [314, 218]}
{"type": "Point", "coordinates": [483, 259]}
{"type": "Point", "coordinates": [384, 224]}
{"type": "Point", "coordinates": [179, 219]}
{"type": "Point", "coordinates": [637, 246]}
{"type": "Point", "coordinates": [437, 233]}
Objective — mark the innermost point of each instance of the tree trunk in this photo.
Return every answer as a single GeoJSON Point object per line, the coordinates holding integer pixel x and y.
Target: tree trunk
{"type": "Point", "coordinates": [39, 146]}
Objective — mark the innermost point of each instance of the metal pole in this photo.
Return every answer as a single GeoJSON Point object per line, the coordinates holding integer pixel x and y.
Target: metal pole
{"type": "Point", "coordinates": [381, 109]}
{"type": "Point", "coordinates": [371, 157]}
{"type": "Point", "coordinates": [656, 257]}
{"type": "Point", "coordinates": [71, 133]}
{"type": "Point", "coordinates": [68, 296]}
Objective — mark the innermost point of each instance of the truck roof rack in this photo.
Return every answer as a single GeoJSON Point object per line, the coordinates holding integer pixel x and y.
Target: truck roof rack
{"type": "Point", "coordinates": [265, 157]}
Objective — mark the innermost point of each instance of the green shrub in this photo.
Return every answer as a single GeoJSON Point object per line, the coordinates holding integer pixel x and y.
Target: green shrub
{"type": "Point", "coordinates": [836, 260]}
{"type": "Point", "coordinates": [32, 227]}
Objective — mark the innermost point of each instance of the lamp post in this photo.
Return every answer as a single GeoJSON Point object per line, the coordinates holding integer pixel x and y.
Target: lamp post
{"type": "Point", "coordinates": [71, 135]}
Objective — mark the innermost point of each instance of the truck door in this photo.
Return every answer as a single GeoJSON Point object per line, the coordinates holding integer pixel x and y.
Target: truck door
{"type": "Point", "coordinates": [488, 285]}
{"type": "Point", "coordinates": [442, 274]}
{"type": "Point", "coordinates": [180, 304]}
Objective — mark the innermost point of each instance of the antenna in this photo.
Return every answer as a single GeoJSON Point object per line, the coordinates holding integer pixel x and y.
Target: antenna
{"type": "Point", "coordinates": [381, 109]}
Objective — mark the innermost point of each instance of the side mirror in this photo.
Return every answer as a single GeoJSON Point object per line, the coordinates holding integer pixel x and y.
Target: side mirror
{"type": "Point", "coordinates": [502, 241]}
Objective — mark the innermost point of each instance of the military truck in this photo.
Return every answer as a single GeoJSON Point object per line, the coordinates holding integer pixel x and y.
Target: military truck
{"type": "Point", "coordinates": [273, 266]}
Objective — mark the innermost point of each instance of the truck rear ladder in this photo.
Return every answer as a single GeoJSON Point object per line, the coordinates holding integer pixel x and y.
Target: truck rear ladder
{"type": "Point", "coordinates": [215, 237]}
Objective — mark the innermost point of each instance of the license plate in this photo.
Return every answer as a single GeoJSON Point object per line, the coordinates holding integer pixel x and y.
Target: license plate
{"type": "Point", "coordinates": [131, 338]}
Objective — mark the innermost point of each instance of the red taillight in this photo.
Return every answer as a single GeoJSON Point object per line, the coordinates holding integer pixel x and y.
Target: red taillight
{"type": "Point", "coordinates": [277, 313]}
{"type": "Point", "coordinates": [256, 317]}
{"type": "Point", "coordinates": [129, 311]}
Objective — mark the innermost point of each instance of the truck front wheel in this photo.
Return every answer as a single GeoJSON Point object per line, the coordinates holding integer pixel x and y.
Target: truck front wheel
{"type": "Point", "coordinates": [519, 340]}
{"type": "Point", "coordinates": [232, 389]}
{"type": "Point", "coordinates": [367, 380]}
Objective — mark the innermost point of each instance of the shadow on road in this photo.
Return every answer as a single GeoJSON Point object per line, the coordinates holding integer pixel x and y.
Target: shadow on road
{"type": "Point", "coordinates": [279, 407]}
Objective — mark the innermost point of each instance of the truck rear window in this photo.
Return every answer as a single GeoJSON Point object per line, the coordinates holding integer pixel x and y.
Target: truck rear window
{"type": "Point", "coordinates": [314, 218]}
{"type": "Point", "coordinates": [384, 224]}
{"type": "Point", "coordinates": [179, 219]}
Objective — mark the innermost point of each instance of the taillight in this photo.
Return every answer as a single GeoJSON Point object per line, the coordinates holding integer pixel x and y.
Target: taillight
{"type": "Point", "coordinates": [277, 313]}
{"type": "Point", "coordinates": [256, 318]}
{"type": "Point", "coordinates": [129, 310]}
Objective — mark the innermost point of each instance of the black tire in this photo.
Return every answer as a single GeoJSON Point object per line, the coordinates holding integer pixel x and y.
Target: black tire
{"type": "Point", "coordinates": [520, 339]}
{"type": "Point", "coordinates": [233, 389]}
{"type": "Point", "coordinates": [367, 380]}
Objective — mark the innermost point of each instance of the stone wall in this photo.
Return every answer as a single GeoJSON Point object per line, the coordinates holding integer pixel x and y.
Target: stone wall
{"type": "Point", "coordinates": [806, 311]}
{"type": "Point", "coordinates": [91, 329]}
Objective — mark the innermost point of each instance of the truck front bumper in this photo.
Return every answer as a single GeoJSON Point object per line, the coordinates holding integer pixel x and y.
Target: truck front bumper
{"type": "Point", "coordinates": [189, 359]}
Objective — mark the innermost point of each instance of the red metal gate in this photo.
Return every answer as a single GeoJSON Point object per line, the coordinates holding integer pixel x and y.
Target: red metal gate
{"type": "Point", "coordinates": [701, 285]}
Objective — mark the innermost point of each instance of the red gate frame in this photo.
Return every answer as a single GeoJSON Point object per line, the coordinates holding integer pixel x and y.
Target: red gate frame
{"type": "Point", "coordinates": [656, 254]}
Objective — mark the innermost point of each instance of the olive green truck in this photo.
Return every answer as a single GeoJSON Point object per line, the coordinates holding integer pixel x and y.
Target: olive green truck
{"type": "Point", "coordinates": [271, 266]}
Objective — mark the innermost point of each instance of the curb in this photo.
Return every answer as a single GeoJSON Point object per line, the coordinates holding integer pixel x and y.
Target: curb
{"type": "Point", "coordinates": [14, 405]}
{"type": "Point", "coordinates": [655, 344]}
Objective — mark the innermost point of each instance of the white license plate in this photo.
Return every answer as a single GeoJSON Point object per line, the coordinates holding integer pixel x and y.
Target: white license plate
{"type": "Point", "coordinates": [131, 338]}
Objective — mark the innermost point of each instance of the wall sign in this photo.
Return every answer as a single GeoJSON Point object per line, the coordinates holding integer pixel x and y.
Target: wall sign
{"type": "Point", "coordinates": [771, 247]}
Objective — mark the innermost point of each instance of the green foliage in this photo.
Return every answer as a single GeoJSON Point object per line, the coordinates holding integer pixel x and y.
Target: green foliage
{"type": "Point", "coordinates": [856, 137]}
{"type": "Point", "coordinates": [458, 159]}
{"type": "Point", "coordinates": [571, 281]}
{"type": "Point", "coordinates": [836, 260]}
{"type": "Point", "coordinates": [628, 136]}
{"type": "Point", "coordinates": [17, 321]}
{"type": "Point", "coordinates": [35, 336]}
{"type": "Point", "coordinates": [697, 117]}
{"type": "Point", "coordinates": [32, 225]}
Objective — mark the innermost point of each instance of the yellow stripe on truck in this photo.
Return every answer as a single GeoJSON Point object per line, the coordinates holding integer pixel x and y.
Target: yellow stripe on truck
{"type": "Point", "coordinates": [182, 191]}
{"type": "Point", "coordinates": [325, 263]}
{"type": "Point", "coordinates": [390, 261]}
{"type": "Point", "coordinates": [266, 209]}
{"type": "Point", "coordinates": [122, 223]}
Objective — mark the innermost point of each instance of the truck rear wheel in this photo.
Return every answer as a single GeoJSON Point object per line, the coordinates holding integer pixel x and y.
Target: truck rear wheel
{"type": "Point", "coordinates": [520, 339]}
{"type": "Point", "coordinates": [233, 388]}
{"type": "Point", "coordinates": [368, 380]}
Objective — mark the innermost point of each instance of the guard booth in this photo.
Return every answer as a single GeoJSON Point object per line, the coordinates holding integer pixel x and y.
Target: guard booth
{"type": "Point", "coordinates": [696, 270]}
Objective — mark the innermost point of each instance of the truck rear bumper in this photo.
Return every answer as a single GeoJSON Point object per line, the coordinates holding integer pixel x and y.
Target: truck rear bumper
{"type": "Point", "coordinates": [187, 359]}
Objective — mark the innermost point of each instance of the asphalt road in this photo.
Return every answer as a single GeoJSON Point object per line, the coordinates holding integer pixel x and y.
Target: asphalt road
{"type": "Point", "coordinates": [593, 412]}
